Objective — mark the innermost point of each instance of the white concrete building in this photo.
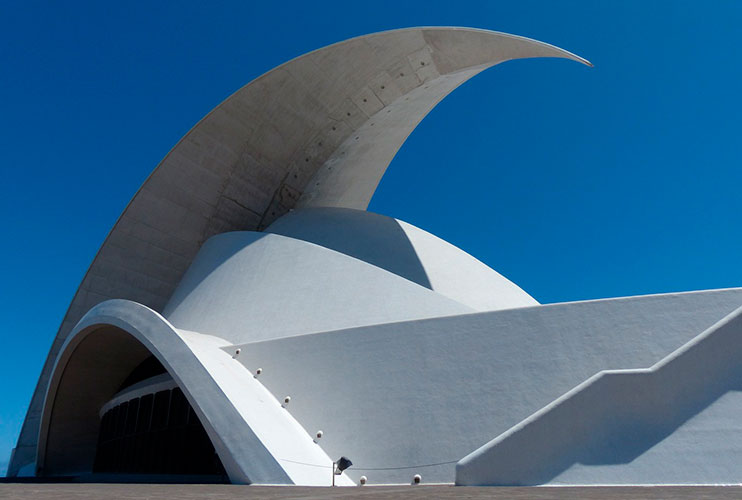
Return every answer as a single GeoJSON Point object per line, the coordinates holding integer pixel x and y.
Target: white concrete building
{"type": "Point", "coordinates": [248, 320]}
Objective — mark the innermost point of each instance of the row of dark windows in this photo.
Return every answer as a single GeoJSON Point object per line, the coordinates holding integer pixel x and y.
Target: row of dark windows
{"type": "Point", "coordinates": [155, 434]}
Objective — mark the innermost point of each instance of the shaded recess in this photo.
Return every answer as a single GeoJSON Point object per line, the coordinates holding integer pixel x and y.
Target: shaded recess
{"type": "Point", "coordinates": [157, 433]}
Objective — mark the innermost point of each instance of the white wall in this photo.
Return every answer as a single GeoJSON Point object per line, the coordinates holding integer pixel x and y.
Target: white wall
{"type": "Point", "coordinates": [429, 391]}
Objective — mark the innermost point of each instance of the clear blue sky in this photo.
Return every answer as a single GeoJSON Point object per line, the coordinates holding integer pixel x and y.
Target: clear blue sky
{"type": "Point", "coordinates": [575, 183]}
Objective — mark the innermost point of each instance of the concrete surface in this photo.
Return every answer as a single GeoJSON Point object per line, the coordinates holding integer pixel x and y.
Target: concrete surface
{"type": "Point", "coordinates": [319, 130]}
{"type": "Point", "coordinates": [230, 492]}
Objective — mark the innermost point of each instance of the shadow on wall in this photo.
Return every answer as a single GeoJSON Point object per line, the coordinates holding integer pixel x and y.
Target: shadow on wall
{"type": "Point", "coordinates": [615, 416]}
{"type": "Point", "coordinates": [370, 237]}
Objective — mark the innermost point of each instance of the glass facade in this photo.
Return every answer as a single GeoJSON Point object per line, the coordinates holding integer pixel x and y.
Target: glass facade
{"type": "Point", "coordinates": [155, 434]}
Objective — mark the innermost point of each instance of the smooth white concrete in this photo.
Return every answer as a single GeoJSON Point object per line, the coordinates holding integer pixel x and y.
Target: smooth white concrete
{"type": "Point", "coordinates": [407, 251]}
{"type": "Point", "coordinates": [249, 286]}
{"type": "Point", "coordinates": [632, 426]}
{"type": "Point", "coordinates": [429, 391]}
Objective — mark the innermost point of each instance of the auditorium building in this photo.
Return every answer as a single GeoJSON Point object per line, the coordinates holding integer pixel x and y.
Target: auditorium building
{"type": "Point", "coordinates": [247, 320]}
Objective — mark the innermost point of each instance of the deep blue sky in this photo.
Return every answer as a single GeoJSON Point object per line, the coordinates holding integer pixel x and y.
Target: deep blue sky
{"type": "Point", "coordinates": [575, 183]}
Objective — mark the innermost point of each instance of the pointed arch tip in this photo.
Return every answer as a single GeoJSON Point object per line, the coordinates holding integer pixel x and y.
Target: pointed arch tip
{"type": "Point", "coordinates": [558, 51]}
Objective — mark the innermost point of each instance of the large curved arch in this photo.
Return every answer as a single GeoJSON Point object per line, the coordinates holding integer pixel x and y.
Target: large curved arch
{"type": "Point", "coordinates": [319, 130]}
{"type": "Point", "coordinates": [107, 344]}
{"type": "Point", "coordinates": [112, 339]}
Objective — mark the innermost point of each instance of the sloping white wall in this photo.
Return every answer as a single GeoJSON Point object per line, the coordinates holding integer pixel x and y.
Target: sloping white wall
{"type": "Point", "coordinates": [431, 391]}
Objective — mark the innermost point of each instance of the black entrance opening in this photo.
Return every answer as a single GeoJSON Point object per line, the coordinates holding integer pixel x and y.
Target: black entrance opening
{"type": "Point", "coordinates": [155, 434]}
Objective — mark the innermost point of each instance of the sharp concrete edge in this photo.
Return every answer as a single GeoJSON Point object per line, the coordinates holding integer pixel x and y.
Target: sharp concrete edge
{"type": "Point", "coordinates": [646, 403]}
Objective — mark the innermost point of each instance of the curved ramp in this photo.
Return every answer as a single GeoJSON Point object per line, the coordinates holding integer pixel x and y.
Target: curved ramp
{"type": "Point", "coordinates": [615, 416]}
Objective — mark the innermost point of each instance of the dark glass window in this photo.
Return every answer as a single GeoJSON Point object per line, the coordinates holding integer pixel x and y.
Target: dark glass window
{"type": "Point", "coordinates": [156, 434]}
{"type": "Point", "coordinates": [131, 417]}
{"type": "Point", "coordinates": [121, 419]}
{"type": "Point", "coordinates": [178, 409]}
{"type": "Point", "coordinates": [160, 410]}
{"type": "Point", "coordinates": [145, 413]}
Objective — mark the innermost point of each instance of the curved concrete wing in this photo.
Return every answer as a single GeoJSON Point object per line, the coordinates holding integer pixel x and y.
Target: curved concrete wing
{"type": "Point", "coordinates": [318, 130]}
{"type": "Point", "coordinates": [246, 424]}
